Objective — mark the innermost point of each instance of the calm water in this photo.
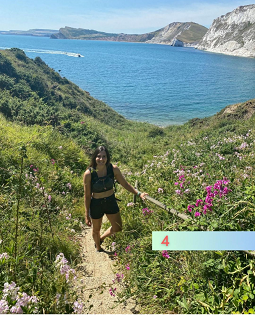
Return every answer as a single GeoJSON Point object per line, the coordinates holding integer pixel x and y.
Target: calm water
{"type": "Point", "coordinates": [159, 84]}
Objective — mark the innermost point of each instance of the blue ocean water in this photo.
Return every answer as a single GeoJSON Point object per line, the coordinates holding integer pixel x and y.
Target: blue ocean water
{"type": "Point", "coordinates": [159, 84]}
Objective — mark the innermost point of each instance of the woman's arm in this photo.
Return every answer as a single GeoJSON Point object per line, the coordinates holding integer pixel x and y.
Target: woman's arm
{"type": "Point", "coordinates": [87, 195]}
{"type": "Point", "coordinates": [125, 184]}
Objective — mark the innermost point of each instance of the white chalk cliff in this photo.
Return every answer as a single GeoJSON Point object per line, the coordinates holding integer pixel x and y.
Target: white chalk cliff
{"type": "Point", "coordinates": [232, 34]}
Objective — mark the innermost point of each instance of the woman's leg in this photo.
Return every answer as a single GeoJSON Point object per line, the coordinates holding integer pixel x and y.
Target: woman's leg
{"type": "Point", "coordinates": [96, 227]}
{"type": "Point", "coordinates": [115, 220]}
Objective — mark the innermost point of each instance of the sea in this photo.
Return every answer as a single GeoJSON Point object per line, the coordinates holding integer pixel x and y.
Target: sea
{"type": "Point", "coordinates": [159, 84]}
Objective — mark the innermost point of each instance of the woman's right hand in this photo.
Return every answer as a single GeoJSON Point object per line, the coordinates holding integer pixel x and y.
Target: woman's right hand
{"type": "Point", "coordinates": [88, 221]}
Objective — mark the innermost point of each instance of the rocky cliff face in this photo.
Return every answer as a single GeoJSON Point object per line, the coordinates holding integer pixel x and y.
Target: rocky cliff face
{"type": "Point", "coordinates": [232, 34]}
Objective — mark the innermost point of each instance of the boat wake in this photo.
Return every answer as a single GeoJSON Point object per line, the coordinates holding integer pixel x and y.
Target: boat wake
{"type": "Point", "coordinates": [47, 51]}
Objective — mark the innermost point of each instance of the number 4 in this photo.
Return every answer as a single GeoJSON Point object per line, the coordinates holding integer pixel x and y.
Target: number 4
{"type": "Point", "coordinates": [165, 241]}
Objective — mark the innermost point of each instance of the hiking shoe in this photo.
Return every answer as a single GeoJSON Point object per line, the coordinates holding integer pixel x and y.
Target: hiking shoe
{"type": "Point", "coordinates": [100, 250]}
{"type": "Point", "coordinates": [101, 242]}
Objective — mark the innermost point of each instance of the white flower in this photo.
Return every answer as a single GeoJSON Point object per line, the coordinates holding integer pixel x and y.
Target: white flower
{"type": "Point", "coordinates": [4, 308]}
{"type": "Point", "coordinates": [4, 255]}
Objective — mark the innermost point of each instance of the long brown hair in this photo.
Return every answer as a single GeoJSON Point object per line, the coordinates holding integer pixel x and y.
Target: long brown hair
{"type": "Point", "coordinates": [94, 155]}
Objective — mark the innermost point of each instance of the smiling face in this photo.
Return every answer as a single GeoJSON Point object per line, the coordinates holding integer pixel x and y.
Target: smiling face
{"type": "Point", "coordinates": [101, 158]}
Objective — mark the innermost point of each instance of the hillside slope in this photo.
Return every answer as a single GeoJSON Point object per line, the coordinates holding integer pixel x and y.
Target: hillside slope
{"type": "Point", "coordinates": [31, 32]}
{"type": "Point", "coordinates": [26, 78]}
{"type": "Point", "coordinates": [33, 93]}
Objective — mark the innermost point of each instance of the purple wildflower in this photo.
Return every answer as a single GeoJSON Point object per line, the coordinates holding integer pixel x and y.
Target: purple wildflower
{"type": "Point", "coordinates": [147, 211]}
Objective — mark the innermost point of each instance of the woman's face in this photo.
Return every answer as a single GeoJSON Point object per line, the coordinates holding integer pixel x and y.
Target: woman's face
{"type": "Point", "coordinates": [101, 158]}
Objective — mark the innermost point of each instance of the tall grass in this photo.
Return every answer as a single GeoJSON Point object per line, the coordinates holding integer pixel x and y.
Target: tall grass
{"type": "Point", "coordinates": [209, 177]}
{"type": "Point", "coordinates": [40, 185]}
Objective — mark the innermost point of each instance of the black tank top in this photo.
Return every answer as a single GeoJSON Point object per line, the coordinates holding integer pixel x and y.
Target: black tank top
{"type": "Point", "coordinates": [101, 184]}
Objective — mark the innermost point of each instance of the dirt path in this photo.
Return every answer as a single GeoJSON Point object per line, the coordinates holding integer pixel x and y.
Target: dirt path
{"type": "Point", "coordinates": [95, 274]}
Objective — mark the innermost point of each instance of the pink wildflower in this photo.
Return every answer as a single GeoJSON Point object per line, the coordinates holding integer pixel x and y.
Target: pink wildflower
{"type": "Point", "coordinates": [199, 202]}
{"type": "Point", "coordinates": [118, 278]}
{"type": "Point", "coordinates": [190, 207]}
{"type": "Point", "coordinates": [165, 254]}
{"type": "Point", "coordinates": [182, 178]}
{"type": "Point", "coordinates": [208, 189]}
{"type": "Point", "coordinates": [69, 216]}
{"type": "Point", "coordinates": [147, 211]}
{"type": "Point", "coordinates": [111, 291]}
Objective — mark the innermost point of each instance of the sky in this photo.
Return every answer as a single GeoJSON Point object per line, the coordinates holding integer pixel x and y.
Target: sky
{"type": "Point", "coordinates": [116, 16]}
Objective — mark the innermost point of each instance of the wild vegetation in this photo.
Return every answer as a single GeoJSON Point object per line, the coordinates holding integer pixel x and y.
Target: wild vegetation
{"type": "Point", "coordinates": [204, 169]}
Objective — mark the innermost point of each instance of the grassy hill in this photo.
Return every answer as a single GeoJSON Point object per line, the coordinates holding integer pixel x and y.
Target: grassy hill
{"type": "Point", "coordinates": [186, 32]}
{"type": "Point", "coordinates": [194, 33]}
{"type": "Point", "coordinates": [204, 168]}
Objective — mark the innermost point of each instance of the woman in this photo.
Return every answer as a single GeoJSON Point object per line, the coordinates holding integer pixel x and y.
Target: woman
{"type": "Point", "coordinates": [99, 196]}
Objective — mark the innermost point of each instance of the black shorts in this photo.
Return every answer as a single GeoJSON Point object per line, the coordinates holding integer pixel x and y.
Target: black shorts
{"type": "Point", "coordinates": [99, 207]}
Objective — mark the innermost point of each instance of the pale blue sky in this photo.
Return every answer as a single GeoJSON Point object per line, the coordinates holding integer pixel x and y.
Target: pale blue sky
{"type": "Point", "coordinates": [126, 16]}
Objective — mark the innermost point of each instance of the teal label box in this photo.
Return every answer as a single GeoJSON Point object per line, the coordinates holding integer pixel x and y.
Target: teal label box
{"type": "Point", "coordinates": [203, 240]}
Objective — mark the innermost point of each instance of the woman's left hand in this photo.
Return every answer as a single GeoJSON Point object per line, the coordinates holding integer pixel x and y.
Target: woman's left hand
{"type": "Point", "coordinates": [143, 195]}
